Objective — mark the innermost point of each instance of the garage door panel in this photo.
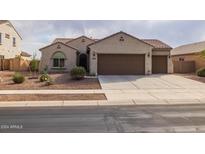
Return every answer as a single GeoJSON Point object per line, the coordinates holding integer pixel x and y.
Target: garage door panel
{"type": "Point", "coordinates": [159, 64]}
{"type": "Point", "coordinates": [121, 64]}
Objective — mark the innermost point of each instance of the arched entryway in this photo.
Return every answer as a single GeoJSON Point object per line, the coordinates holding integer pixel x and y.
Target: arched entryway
{"type": "Point", "coordinates": [83, 60]}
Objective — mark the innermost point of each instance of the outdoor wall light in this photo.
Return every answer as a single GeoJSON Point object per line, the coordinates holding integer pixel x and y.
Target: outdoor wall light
{"type": "Point", "coordinates": [148, 55]}
{"type": "Point", "coordinates": [93, 54]}
{"type": "Point", "coordinates": [78, 52]}
{"type": "Point", "coordinates": [169, 56]}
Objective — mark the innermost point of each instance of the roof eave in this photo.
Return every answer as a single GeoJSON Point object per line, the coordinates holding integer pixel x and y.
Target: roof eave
{"type": "Point", "coordinates": [57, 43]}
{"type": "Point", "coordinates": [117, 34]}
{"type": "Point", "coordinates": [162, 49]}
{"type": "Point", "coordinates": [78, 38]}
{"type": "Point", "coordinates": [15, 30]}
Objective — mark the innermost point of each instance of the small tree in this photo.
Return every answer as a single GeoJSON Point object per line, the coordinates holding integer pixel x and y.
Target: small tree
{"type": "Point", "coordinates": [33, 66]}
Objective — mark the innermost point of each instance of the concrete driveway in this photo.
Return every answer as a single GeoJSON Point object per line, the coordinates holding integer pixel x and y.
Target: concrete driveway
{"type": "Point", "coordinates": [160, 88]}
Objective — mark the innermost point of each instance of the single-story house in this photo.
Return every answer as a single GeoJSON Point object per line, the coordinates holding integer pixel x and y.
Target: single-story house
{"type": "Point", "coordinates": [187, 58]}
{"type": "Point", "coordinates": [117, 54]}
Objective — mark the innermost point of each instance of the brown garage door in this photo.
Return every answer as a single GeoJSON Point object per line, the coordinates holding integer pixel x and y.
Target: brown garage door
{"type": "Point", "coordinates": [159, 64]}
{"type": "Point", "coordinates": [121, 64]}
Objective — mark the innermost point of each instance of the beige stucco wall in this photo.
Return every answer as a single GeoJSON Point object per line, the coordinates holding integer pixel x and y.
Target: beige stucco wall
{"type": "Point", "coordinates": [170, 68]}
{"type": "Point", "coordinates": [79, 44]}
{"type": "Point", "coordinates": [199, 61]}
{"type": "Point", "coordinates": [6, 48]}
{"type": "Point", "coordinates": [114, 46]}
{"type": "Point", "coordinates": [47, 53]}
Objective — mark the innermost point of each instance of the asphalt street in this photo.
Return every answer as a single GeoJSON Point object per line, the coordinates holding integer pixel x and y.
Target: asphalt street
{"type": "Point", "coordinates": [108, 119]}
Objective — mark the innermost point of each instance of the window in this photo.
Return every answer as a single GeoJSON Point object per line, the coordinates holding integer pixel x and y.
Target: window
{"type": "Point", "coordinates": [62, 62]}
{"type": "Point", "coordinates": [0, 39]}
{"type": "Point", "coordinates": [7, 36]}
{"type": "Point", "coordinates": [14, 41]}
{"type": "Point", "coordinates": [58, 60]}
{"type": "Point", "coordinates": [55, 63]}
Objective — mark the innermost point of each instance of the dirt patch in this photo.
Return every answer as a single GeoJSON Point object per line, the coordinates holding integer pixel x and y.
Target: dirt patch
{"type": "Point", "coordinates": [61, 81]}
{"type": "Point", "coordinates": [51, 97]}
{"type": "Point", "coordinates": [193, 77]}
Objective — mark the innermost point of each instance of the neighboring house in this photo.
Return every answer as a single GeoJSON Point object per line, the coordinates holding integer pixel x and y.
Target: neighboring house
{"type": "Point", "coordinates": [187, 58]}
{"type": "Point", "coordinates": [10, 40]}
{"type": "Point", "coordinates": [25, 55]}
{"type": "Point", "coordinates": [10, 47]}
{"type": "Point", "coordinates": [117, 54]}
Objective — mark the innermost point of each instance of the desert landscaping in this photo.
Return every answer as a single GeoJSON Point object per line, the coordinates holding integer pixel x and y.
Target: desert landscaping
{"type": "Point", "coordinates": [60, 81]}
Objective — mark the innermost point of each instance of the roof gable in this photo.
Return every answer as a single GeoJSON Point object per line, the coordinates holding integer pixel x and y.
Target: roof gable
{"type": "Point", "coordinates": [81, 37]}
{"type": "Point", "coordinates": [118, 33]}
{"type": "Point", "coordinates": [11, 25]}
{"type": "Point", "coordinates": [55, 44]}
{"type": "Point", "coordinates": [63, 40]}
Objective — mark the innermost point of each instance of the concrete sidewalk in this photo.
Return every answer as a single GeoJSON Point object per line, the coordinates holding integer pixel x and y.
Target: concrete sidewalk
{"type": "Point", "coordinates": [117, 95]}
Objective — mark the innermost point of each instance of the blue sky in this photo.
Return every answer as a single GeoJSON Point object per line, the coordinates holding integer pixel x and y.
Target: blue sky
{"type": "Point", "coordinates": [37, 34]}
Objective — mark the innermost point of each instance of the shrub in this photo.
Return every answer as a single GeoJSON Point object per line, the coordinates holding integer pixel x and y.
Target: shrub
{"type": "Point", "coordinates": [201, 72]}
{"type": "Point", "coordinates": [44, 77]}
{"type": "Point", "coordinates": [78, 73]}
{"type": "Point", "coordinates": [49, 82]}
{"type": "Point", "coordinates": [18, 78]}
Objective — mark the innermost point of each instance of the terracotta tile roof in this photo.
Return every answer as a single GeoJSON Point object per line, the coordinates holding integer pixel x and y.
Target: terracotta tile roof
{"type": "Point", "coordinates": [189, 48]}
{"type": "Point", "coordinates": [62, 40]}
{"type": "Point", "coordinates": [157, 43]}
{"type": "Point", "coordinates": [79, 38]}
{"type": "Point", "coordinates": [25, 54]}
{"type": "Point", "coordinates": [66, 40]}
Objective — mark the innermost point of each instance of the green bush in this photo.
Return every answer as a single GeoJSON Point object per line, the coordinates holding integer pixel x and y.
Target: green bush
{"type": "Point", "coordinates": [78, 73]}
{"type": "Point", "coordinates": [34, 65]}
{"type": "Point", "coordinates": [49, 82]}
{"type": "Point", "coordinates": [18, 78]}
{"type": "Point", "coordinates": [201, 72]}
{"type": "Point", "coordinates": [44, 77]}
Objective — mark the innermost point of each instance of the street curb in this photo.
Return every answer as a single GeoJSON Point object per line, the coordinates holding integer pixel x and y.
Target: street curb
{"type": "Point", "coordinates": [98, 103]}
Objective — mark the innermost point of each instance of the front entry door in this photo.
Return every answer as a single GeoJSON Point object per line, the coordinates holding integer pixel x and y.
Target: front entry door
{"type": "Point", "coordinates": [83, 61]}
